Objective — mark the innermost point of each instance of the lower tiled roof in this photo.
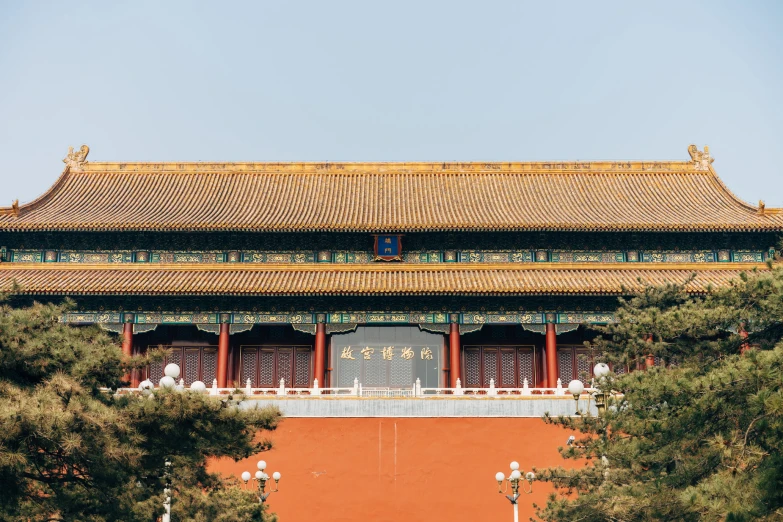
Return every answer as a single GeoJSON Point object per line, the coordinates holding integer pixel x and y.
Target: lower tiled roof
{"type": "Point", "coordinates": [376, 279]}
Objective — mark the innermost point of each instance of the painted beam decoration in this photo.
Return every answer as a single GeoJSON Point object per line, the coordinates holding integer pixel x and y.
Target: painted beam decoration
{"type": "Point", "coordinates": [338, 318]}
{"type": "Point", "coordinates": [387, 248]}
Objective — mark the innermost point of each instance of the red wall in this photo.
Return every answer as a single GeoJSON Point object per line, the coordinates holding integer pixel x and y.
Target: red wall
{"type": "Point", "coordinates": [352, 470]}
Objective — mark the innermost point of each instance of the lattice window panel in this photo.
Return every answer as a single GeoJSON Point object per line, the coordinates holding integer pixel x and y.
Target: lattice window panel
{"type": "Point", "coordinates": [565, 366]}
{"type": "Point", "coordinates": [249, 368]}
{"type": "Point", "coordinates": [156, 372]}
{"type": "Point", "coordinates": [659, 361]}
{"type": "Point", "coordinates": [526, 368]}
{"type": "Point", "coordinates": [302, 370]}
{"type": "Point", "coordinates": [472, 371]}
{"type": "Point", "coordinates": [284, 367]}
{"type": "Point", "coordinates": [375, 372]}
{"type": "Point", "coordinates": [506, 370]}
{"type": "Point", "coordinates": [584, 369]}
{"type": "Point", "coordinates": [619, 369]}
{"type": "Point", "coordinates": [208, 366]}
{"type": "Point", "coordinates": [349, 370]}
{"type": "Point", "coordinates": [401, 372]}
{"type": "Point", "coordinates": [266, 367]}
{"type": "Point", "coordinates": [190, 371]}
{"type": "Point", "coordinates": [490, 367]}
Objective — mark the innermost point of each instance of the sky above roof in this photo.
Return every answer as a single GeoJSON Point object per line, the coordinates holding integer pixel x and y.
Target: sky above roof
{"type": "Point", "coordinates": [393, 81]}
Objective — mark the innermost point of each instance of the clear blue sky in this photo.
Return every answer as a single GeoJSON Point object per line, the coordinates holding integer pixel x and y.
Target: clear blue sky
{"type": "Point", "coordinates": [391, 81]}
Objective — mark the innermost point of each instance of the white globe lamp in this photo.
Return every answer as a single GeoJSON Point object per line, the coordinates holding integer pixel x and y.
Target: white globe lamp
{"type": "Point", "coordinates": [601, 370]}
{"type": "Point", "coordinates": [261, 465]}
{"type": "Point", "coordinates": [167, 382]}
{"type": "Point", "coordinates": [575, 388]}
{"type": "Point", "coordinates": [245, 476]}
{"type": "Point", "coordinates": [171, 370]}
{"type": "Point", "coordinates": [276, 475]}
{"type": "Point", "coordinates": [198, 387]}
{"type": "Point", "coordinates": [514, 465]}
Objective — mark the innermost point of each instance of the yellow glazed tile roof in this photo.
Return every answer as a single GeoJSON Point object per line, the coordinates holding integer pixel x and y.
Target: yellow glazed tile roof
{"type": "Point", "coordinates": [376, 279]}
{"type": "Point", "coordinates": [390, 197]}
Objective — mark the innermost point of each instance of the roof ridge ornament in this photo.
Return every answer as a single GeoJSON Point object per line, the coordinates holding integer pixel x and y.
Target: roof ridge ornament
{"type": "Point", "coordinates": [76, 160]}
{"type": "Point", "coordinates": [701, 160]}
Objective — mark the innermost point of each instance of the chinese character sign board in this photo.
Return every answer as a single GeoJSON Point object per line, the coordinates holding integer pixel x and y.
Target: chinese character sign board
{"type": "Point", "coordinates": [388, 248]}
{"type": "Point", "coordinates": [387, 357]}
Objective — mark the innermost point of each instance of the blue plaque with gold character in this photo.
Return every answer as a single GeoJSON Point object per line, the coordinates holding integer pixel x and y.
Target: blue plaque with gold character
{"type": "Point", "coordinates": [388, 248]}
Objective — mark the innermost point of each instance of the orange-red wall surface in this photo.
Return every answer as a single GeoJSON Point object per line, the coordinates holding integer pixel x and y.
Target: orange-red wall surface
{"type": "Point", "coordinates": [402, 469]}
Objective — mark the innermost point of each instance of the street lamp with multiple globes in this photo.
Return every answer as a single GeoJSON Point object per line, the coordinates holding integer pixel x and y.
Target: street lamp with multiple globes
{"type": "Point", "coordinates": [261, 477]}
{"type": "Point", "coordinates": [514, 479]}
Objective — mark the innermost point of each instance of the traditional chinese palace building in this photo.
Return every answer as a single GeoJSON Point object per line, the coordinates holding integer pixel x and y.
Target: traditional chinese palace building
{"type": "Point", "coordinates": [381, 272]}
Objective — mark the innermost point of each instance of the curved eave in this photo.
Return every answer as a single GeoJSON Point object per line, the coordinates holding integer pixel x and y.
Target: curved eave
{"type": "Point", "coordinates": [363, 280]}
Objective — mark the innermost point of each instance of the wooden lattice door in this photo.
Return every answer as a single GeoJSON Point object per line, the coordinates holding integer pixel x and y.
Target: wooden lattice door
{"type": "Point", "coordinates": [266, 365]}
{"type": "Point", "coordinates": [508, 366]}
{"type": "Point", "coordinates": [196, 363]}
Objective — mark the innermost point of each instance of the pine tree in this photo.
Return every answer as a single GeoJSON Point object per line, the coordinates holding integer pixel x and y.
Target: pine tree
{"type": "Point", "coordinates": [698, 440]}
{"type": "Point", "coordinates": [71, 451]}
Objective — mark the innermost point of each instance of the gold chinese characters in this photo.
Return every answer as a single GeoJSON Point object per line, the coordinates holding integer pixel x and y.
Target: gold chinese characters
{"type": "Point", "coordinates": [388, 352]}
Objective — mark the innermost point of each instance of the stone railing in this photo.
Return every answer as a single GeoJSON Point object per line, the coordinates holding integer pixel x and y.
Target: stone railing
{"type": "Point", "coordinates": [414, 392]}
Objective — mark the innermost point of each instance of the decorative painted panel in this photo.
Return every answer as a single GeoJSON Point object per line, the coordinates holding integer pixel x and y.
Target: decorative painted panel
{"type": "Point", "coordinates": [704, 256]}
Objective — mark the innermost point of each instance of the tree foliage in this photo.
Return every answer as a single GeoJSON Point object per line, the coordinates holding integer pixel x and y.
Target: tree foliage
{"type": "Point", "coordinates": [71, 451]}
{"type": "Point", "coordinates": [699, 440]}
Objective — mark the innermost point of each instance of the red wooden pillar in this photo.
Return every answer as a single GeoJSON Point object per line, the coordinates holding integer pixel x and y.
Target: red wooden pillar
{"type": "Point", "coordinates": [320, 353]}
{"type": "Point", "coordinates": [650, 358]}
{"type": "Point", "coordinates": [222, 362]}
{"type": "Point", "coordinates": [551, 356]}
{"type": "Point", "coordinates": [454, 354]}
{"type": "Point", "coordinates": [127, 350]}
{"type": "Point", "coordinates": [744, 334]}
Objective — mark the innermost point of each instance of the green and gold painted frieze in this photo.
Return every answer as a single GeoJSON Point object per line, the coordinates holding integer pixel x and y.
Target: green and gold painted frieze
{"type": "Point", "coordinates": [364, 257]}
{"type": "Point", "coordinates": [353, 317]}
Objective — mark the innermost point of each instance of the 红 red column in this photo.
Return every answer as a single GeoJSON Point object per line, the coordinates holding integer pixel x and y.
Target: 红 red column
{"type": "Point", "coordinates": [454, 355]}
{"type": "Point", "coordinates": [127, 349]}
{"type": "Point", "coordinates": [222, 362]}
{"type": "Point", "coordinates": [551, 356]}
{"type": "Point", "coordinates": [744, 334]}
{"type": "Point", "coordinates": [650, 358]}
{"type": "Point", "coordinates": [320, 353]}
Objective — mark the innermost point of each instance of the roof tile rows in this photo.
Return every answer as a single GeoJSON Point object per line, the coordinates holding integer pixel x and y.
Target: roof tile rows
{"type": "Point", "coordinates": [354, 279]}
{"type": "Point", "coordinates": [388, 197]}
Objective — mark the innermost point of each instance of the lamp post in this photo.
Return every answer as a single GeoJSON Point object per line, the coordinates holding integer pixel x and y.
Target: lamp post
{"type": "Point", "coordinates": [515, 480]}
{"type": "Point", "coordinates": [601, 371]}
{"type": "Point", "coordinates": [261, 478]}
{"type": "Point", "coordinates": [575, 388]}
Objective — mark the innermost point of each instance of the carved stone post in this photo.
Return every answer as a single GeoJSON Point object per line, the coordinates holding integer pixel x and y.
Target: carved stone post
{"type": "Point", "coordinates": [454, 354]}
{"type": "Point", "coordinates": [222, 356]}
